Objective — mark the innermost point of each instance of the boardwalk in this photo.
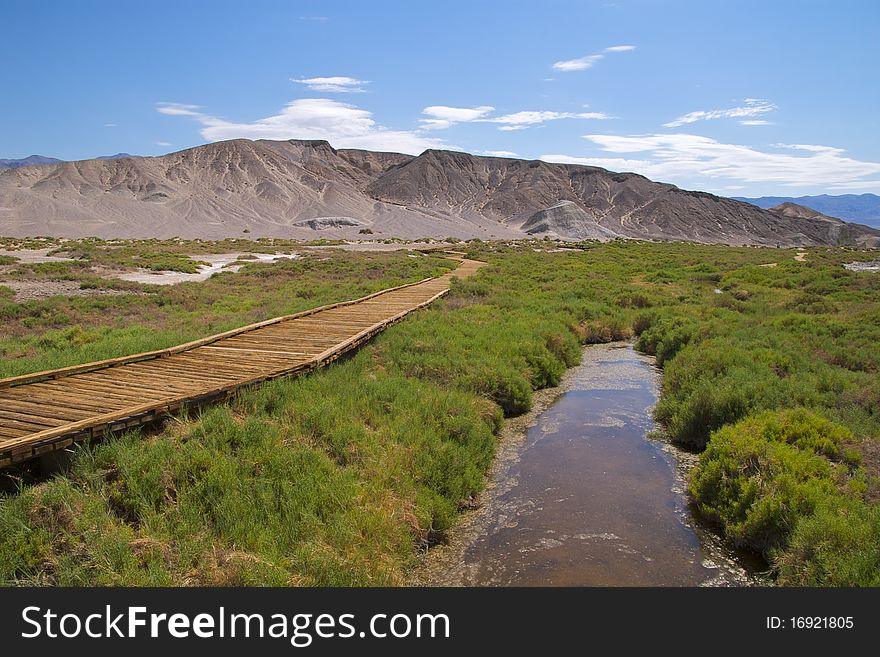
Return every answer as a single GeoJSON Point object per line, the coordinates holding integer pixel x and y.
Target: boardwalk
{"type": "Point", "coordinates": [47, 411]}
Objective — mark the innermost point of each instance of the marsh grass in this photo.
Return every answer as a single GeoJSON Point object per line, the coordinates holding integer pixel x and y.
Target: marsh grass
{"type": "Point", "coordinates": [342, 477]}
{"type": "Point", "coordinates": [61, 331]}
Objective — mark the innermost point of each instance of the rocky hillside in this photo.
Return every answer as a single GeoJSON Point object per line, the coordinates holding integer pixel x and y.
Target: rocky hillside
{"type": "Point", "coordinates": [858, 208]}
{"type": "Point", "coordinates": [832, 229]}
{"type": "Point", "coordinates": [307, 189]}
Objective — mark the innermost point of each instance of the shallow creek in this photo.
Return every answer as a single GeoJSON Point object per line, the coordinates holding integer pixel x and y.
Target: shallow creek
{"type": "Point", "coordinates": [580, 495]}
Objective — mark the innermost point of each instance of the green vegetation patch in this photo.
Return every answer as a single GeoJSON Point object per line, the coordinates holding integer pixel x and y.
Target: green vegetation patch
{"type": "Point", "coordinates": [342, 477]}
{"type": "Point", "coordinates": [784, 484]}
{"type": "Point", "coordinates": [332, 496]}
{"type": "Point", "coordinates": [35, 335]}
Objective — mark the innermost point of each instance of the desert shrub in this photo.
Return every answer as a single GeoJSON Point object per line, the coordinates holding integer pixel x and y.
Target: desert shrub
{"type": "Point", "coordinates": [168, 262]}
{"type": "Point", "coordinates": [642, 322]}
{"type": "Point", "coordinates": [708, 405]}
{"type": "Point", "coordinates": [718, 382]}
{"type": "Point", "coordinates": [60, 270]}
{"type": "Point", "coordinates": [564, 346]}
{"type": "Point", "coordinates": [665, 337]}
{"type": "Point", "coordinates": [601, 331]}
{"type": "Point", "coordinates": [866, 397]}
{"type": "Point", "coordinates": [634, 300]}
{"type": "Point", "coordinates": [511, 391]}
{"type": "Point", "coordinates": [811, 303]}
{"type": "Point", "coordinates": [727, 302]}
{"type": "Point", "coordinates": [467, 287]}
{"type": "Point", "coordinates": [837, 545]}
{"type": "Point", "coordinates": [758, 477]}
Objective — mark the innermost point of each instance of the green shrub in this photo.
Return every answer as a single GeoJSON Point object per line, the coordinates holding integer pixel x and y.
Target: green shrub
{"type": "Point", "coordinates": [388, 446]}
{"type": "Point", "coordinates": [642, 323]}
{"type": "Point", "coordinates": [665, 337]}
{"type": "Point", "coordinates": [838, 545]}
{"type": "Point", "coordinates": [712, 384]}
{"type": "Point", "coordinates": [759, 477]}
{"type": "Point", "coordinates": [812, 303]}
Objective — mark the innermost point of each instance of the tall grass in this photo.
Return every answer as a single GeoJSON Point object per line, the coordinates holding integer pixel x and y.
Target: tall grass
{"type": "Point", "coordinates": [344, 476]}
{"type": "Point", "coordinates": [61, 331]}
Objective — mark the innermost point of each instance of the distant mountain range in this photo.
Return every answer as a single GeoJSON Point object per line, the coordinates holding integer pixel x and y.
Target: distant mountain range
{"type": "Point", "coordinates": [308, 189]}
{"type": "Point", "coordinates": [860, 208]}
{"type": "Point", "coordinates": [32, 160]}
{"type": "Point", "coordinates": [118, 156]}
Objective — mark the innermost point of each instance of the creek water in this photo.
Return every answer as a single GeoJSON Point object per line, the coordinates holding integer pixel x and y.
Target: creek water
{"type": "Point", "coordinates": [580, 495]}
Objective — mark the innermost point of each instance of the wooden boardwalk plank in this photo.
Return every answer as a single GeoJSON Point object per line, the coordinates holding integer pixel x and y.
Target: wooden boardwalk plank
{"type": "Point", "coordinates": [48, 410]}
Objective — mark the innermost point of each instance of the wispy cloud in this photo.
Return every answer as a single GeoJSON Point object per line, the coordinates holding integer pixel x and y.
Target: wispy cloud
{"type": "Point", "coordinates": [342, 124]}
{"type": "Point", "coordinates": [579, 64]}
{"type": "Point", "coordinates": [111, 125]}
{"type": "Point", "coordinates": [497, 153]}
{"type": "Point", "coordinates": [812, 148]}
{"type": "Point", "coordinates": [163, 143]}
{"type": "Point", "coordinates": [750, 107]}
{"type": "Point", "coordinates": [691, 158]}
{"type": "Point", "coordinates": [527, 119]}
{"type": "Point", "coordinates": [178, 109]}
{"type": "Point", "coordinates": [441, 117]}
{"type": "Point", "coordinates": [587, 61]}
{"type": "Point", "coordinates": [336, 84]}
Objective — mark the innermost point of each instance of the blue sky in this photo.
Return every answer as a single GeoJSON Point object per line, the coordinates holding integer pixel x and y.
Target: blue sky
{"type": "Point", "coordinates": [738, 98]}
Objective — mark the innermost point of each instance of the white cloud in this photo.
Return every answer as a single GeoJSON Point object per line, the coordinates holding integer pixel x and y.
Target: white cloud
{"type": "Point", "coordinates": [858, 184]}
{"type": "Point", "coordinates": [163, 143]}
{"type": "Point", "coordinates": [587, 61]}
{"type": "Point", "coordinates": [442, 116]}
{"type": "Point", "coordinates": [752, 107]}
{"type": "Point", "coordinates": [336, 84]}
{"type": "Point", "coordinates": [756, 122]}
{"type": "Point", "coordinates": [813, 148]}
{"type": "Point", "coordinates": [523, 120]}
{"type": "Point", "coordinates": [178, 109]}
{"type": "Point", "coordinates": [579, 64]}
{"type": "Point", "coordinates": [498, 153]}
{"type": "Point", "coordinates": [111, 125]}
{"type": "Point", "coordinates": [610, 163]}
{"type": "Point", "coordinates": [692, 158]}
{"type": "Point", "coordinates": [343, 125]}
